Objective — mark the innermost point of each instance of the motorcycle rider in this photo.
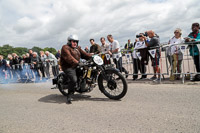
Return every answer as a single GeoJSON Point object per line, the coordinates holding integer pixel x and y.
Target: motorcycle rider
{"type": "Point", "coordinates": [70, 56]}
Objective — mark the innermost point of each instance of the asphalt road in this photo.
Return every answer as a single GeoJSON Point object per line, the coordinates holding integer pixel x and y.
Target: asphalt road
{"type": "Point", "coordinates": [147, 108]}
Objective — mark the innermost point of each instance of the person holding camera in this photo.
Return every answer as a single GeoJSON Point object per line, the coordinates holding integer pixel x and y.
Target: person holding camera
{"type": "Point", "coordinates": [140, 64]}
{"type": "Point", "coordinates": [154, 43]}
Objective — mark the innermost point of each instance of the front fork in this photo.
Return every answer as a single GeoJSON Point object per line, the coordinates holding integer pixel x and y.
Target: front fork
{"type": "Point", "coordinates": [102, 72]}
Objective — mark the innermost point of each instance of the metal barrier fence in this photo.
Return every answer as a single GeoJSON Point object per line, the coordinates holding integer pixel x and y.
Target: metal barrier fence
{"type": "Point", "coordinates": [28, 72]}
{"type": "Point", "coordinates": [170, 65]}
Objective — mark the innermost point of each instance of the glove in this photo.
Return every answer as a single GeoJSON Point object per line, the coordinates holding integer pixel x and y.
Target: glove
{"type": "Point", "coordinates": [80, 64]}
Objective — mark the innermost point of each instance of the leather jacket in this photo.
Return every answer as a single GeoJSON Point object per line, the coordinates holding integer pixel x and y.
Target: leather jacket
{"type": "Point", "coordinates": [70, 56]}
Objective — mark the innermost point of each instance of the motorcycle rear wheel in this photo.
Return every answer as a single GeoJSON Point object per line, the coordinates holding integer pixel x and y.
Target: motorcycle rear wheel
{"type": "Point", "coordinates": [63, 91]}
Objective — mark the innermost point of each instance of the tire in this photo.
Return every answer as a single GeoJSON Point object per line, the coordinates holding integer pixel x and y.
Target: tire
{"type": "Point", "coordinates": [63, 91]}
{"type": "Point", "coordinates": [60, 84]}
{"type": "Point", "coordinates": [111, 85]}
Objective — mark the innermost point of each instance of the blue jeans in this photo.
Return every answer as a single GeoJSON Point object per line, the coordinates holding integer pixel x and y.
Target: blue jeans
{"type": "Point", "coordinates": [118, 64]}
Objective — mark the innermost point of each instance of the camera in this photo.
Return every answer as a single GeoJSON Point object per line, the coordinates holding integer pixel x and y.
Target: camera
{"type": "Point", "coordinates": [145, 34]}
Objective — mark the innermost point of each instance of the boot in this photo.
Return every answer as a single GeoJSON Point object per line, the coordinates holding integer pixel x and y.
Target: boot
{"type": "Point", "coordinates": [69, 99]}
{"type": "Point", "coordinates": [172, 78]}
{"type": "Point", "coordinates": [84, 90]}
{"type": "Point", "coordinates": [174, 65]}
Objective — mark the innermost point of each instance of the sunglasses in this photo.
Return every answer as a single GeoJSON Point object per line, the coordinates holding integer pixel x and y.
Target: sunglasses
{"type": "Point", "coordinates": [176, 32]}
{"type": "Point", "coordinates": [74, 41]}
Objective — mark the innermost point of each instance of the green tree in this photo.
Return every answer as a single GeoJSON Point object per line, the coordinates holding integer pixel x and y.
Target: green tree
{"type": "Point", "coordinates": [20, 50]}
{"type": "Point", "coordinates": [51, 50]}
{"type": "Point", "coordinates": [6, 49]}
{"type": "Point", "coordinates": [37, 49]}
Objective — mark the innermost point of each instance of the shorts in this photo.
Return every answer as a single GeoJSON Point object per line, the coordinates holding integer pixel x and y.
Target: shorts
{"type": "Point", "coordinates": [156, 61]}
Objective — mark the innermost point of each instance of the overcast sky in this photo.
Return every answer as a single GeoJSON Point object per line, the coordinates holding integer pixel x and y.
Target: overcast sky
{"type": "Point", "coordinates": [47, 23]}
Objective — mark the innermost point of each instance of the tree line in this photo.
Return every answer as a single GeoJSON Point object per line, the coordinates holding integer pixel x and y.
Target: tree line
{"type": "Point", "coordinates": [7, 49]}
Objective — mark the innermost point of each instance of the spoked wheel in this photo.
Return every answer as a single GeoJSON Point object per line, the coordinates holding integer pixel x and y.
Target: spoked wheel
{"type": "Point", "coordinates": [63, 91]}
{"type": "Point", "coordinates": [116, 86]}
{"type": "Point", "coordinates": [62, 86]}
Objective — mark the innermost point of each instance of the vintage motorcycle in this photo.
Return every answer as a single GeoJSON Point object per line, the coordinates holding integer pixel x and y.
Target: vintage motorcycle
{"type": "Point", "coordinates": [110, 81]}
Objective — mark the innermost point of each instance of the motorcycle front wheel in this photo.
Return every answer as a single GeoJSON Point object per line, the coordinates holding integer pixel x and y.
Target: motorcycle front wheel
{"type": "Point", "coordinates": [115, 87]}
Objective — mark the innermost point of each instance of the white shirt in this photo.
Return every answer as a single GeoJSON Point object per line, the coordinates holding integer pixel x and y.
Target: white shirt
{"type": "Point", "coordinates": [138, 45]}
{"type": "Point", "coordinates": [51, 57]}
{"type": "Point", "coordinates": [115, 45]}
{"type": "Point", "coordinates": [104, 48]}
{"type": "Point", "coordinates": [43, 57]}
{"type": "Point", "coordinates": [174, 48]}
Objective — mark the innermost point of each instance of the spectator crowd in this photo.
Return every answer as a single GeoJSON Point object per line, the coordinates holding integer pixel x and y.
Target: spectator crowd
{"type": "Point", "coordinates": [32, 67]}
{"type": "Point", "coordinates": [29, 67]}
